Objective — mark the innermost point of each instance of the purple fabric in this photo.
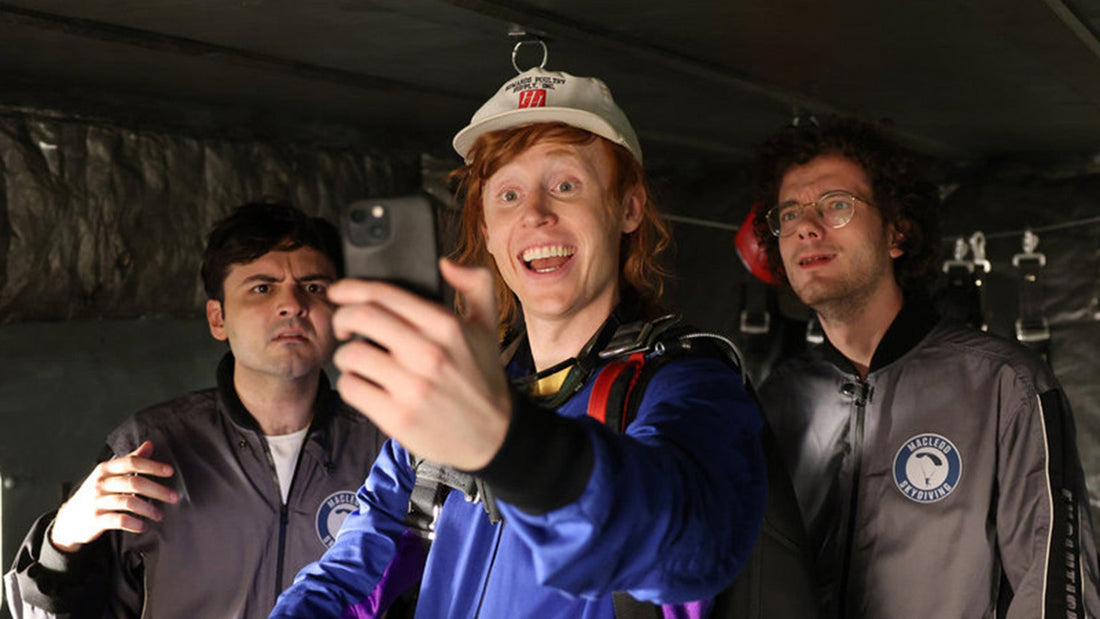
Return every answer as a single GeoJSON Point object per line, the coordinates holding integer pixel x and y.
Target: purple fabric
{"type": "Point", "coordinates": [403, 572]}
{"type": "Point", "coordinates": [692, 610]}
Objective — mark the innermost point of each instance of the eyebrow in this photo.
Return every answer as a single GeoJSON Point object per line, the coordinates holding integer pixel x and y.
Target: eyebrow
{"type": "Point", "coordinates": [793, 201]}
{"type": "Point", "coordinates": [268, 279]}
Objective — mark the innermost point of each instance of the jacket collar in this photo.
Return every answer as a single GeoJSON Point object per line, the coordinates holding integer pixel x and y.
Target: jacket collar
{"type": "Point", "coordinates": [323, 405]}
{"type": "Point", "coordinates": [916, 319]}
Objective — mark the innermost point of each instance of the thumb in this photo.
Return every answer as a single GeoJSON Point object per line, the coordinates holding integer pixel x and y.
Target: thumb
{"type": "Point", "coordinates": [143, 450]}
{"type": "Point", "coordinates": [475, 285]}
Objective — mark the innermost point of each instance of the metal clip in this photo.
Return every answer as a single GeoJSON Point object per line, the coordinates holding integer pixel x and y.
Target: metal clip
{"type": "Point", "coordinates": [1040, 333]}
{"type": "Point", "coordinates": [1030, 243]}
{"type": "Point", "coordinates": [633, 337]}
{"type": "Point", "coordinates": [960, 261]}
{"type": "Point", "coordinates": [814, 333]}
{"type": "Point", "coordinates": [760, 326]}
{"type": "Point", "coordinates": [977, 246]}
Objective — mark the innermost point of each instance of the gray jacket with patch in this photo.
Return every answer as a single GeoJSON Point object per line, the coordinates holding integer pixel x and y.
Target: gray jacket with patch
{"type": "Point", "coordinates": [230, 545]}
{"type": "Point", "coordinates": [946, 484]}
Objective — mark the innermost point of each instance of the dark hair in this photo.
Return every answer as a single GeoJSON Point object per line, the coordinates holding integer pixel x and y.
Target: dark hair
{"type": "Point", "coordinates": [900, 182]}
{"type": "Point", "coordinates": [640, 274]}
{"type": "Point", "coordinates": [257, 228]}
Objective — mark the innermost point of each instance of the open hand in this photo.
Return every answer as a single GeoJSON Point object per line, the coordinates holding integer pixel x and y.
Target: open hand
{"type": "Point", "coordinates": [114, 497]}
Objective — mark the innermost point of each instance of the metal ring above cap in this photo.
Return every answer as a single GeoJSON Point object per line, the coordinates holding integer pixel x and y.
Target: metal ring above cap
{"type": "Point", "coordinates": [515, 51]}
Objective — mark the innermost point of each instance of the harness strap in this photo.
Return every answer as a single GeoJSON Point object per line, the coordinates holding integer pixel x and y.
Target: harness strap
{"type": "Point", "coordinates": [755, 317]}
{"type": "Point", "coordinates": [963, 295]}
{"type": "Point", "coordinates": [1032, 328]}
{"type": "Point", "coordinates": [614, 384]}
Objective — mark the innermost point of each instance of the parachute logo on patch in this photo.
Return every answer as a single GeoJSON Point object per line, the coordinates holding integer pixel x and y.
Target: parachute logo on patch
{"type": "Point", "coordinates": [331, 515]}
{"type": "Point", "coordinates": [927, 468]}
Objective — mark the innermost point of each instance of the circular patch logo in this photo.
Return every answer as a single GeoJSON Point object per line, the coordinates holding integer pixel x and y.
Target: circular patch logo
{"type": "Point", "coordinates": [331, 515]}
{"type": "Point", "coordinates": [927, 468]}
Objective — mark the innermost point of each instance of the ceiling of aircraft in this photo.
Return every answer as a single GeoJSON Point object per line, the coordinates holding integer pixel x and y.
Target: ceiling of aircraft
{"type": "Point", "coordinates": [970, 81]}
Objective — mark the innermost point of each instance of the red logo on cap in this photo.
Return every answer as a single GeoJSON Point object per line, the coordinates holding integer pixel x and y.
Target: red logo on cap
{"type": "Point", "coordinates": [532, 98]}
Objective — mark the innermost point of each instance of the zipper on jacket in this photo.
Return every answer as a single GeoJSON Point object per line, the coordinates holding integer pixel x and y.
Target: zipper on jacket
{"type": "Point", "coordinates": [859, 392]}
{"type": "Point", "coordinates": [284, 512]}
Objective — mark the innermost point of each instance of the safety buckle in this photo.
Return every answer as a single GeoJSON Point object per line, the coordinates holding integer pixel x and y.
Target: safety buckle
{"type": "Point", "coordinates": [814, 333]}
{"type": "Point", "coordinates": [953, 265]}
{"type": "Point", "coordinates": [1033, 332]}
{"type": "Point", "coordinates": [634, 337]}
{"type": "Point", "coordinates": [755, 323]}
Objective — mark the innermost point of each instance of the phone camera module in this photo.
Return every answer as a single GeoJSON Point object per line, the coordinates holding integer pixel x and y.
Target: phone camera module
{"type": "Point", "coordinates": [370, 225]}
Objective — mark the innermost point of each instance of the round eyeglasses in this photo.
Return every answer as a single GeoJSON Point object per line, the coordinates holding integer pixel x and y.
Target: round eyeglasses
{"type": "Point", "coordinates": [834, 207]}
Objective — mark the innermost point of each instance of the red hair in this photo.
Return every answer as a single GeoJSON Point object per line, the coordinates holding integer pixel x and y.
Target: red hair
{"type": "Point", "coordinates": [640, 275]}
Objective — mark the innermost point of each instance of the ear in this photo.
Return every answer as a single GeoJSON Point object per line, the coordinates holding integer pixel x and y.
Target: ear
{"type": "Point", "coordinates": [897, 237]}
{"type": "Point", "coordinates": [216, 319]}
{"type": "Point", "coordinates": [633, 207]}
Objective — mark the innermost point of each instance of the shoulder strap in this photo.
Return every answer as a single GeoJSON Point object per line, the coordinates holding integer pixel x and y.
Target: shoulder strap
{"type": "Point", "coordinates": [636, 352]}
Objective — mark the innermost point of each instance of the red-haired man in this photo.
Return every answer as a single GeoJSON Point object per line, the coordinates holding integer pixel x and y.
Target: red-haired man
{"type": "Point", "coordinates": [557, 209]}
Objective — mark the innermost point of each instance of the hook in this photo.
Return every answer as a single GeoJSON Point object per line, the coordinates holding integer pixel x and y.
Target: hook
{"type": "Point", "coordinates": [519, 44]}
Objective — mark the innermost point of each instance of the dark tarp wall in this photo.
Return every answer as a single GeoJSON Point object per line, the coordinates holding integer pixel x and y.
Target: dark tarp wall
{"type": "Point", "coordinates": [104, 221]}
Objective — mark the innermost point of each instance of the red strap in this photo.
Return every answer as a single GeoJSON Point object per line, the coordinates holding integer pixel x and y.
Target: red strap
{"type": "Point", "coordinates": [601, 389]}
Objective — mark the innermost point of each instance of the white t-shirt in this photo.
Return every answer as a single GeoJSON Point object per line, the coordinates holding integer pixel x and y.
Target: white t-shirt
{"type": "Point", "coordinates": [284, 450]}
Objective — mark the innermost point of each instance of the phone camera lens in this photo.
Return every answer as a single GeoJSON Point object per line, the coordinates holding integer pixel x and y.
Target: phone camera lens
{"type": "Point", "coordinates": [377, 230]}
{"type": "Point", "coordinates": [358, 215]}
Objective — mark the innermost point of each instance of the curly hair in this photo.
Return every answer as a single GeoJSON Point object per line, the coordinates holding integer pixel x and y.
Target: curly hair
{"type": "Point", "coordinates": [900, 184]}
{"type": "Point", "coordinates": [641, 278]}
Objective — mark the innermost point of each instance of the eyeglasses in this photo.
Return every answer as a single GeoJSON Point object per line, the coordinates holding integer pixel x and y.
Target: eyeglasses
{"type": "Point", "coordinates": [834, 207]}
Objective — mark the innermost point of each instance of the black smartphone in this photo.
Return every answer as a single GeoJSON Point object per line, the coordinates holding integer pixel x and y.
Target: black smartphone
{"type": "Point", "coordinates": [395, 240]}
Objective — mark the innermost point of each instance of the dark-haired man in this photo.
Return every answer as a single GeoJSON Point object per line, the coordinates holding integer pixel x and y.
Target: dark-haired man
{"type": "Point", "coordinates": [206, 505]}
{"type": "Point", "coordinates": [935, 466]}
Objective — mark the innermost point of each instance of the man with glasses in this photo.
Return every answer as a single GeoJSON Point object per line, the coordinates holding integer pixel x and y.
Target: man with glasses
{"type": "Point", "coordinates": [935, 466]}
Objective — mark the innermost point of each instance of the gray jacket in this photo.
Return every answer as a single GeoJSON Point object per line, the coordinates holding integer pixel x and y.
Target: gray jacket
{"type": "Point", "coordinates": [230, 545]}
{"type": "Point", "coordinates": [947, 484]}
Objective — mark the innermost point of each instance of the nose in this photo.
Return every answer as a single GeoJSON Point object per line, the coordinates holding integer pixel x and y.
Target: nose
{"type": "Point", "coordinates": [292, 301]}
{"type": "Point", "coordinates": [810, 224]}
{"type": "Point", "coordinates": [538, 211]}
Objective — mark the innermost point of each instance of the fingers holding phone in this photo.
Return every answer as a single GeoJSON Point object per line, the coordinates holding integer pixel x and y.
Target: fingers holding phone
{"type": "Point", "coordinates": [435, 384]}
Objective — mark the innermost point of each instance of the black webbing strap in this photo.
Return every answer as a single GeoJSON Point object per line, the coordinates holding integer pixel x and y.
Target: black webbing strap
{"type": "Point", "coordinates": [1032, 328]}
{"type": "Point", "coordinates": [626, 607]}
{"type": "Point", "coordinates": [963, 298]}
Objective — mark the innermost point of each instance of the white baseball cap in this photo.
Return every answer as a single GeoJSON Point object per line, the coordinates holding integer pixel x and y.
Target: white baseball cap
{"type": "Point", "coordinates": [541, 96]}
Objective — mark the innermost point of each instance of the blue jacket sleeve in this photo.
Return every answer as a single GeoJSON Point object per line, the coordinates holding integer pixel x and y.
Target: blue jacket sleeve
{"type": "Point", "coordinates": [668, 511]}
{"type": "Point", "coordinates": [372, 552]}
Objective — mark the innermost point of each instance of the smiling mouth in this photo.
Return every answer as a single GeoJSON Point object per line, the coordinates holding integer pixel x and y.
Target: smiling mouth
{"type": "Point", "coordinates": [547, 258]}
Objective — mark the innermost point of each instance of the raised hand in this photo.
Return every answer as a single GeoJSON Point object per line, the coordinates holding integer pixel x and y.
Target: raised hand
{"type": "Point", "coordinates": [115, 496]}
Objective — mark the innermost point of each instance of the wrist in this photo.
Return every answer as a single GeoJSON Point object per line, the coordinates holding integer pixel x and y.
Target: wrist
{"type": "Point", "coordinates": [60, 544]}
